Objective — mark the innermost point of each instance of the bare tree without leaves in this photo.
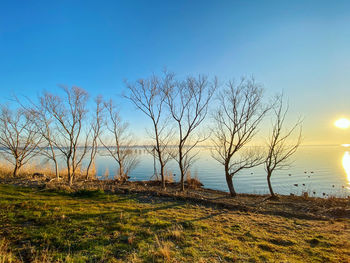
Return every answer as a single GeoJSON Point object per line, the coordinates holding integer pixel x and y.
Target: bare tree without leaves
{"type": "Point", "coordinates": [118, 142]}
{"type": "Point", "coordinates": [148, 96]}
{"type": "Point", "coordinates": [95, 131]}
{"type": "Point", "coordinates": [188, 104]}
{"type": "Point", "coordinates": [282, 143]}
{"type": "Point", "coordinates": [19, 138]}
{"type": "Point", "coordinates": [68, 114]}
{"type": "Point", "coordinates": [44, 123]}
{"type": "Point", "coordinates": [236, 120]}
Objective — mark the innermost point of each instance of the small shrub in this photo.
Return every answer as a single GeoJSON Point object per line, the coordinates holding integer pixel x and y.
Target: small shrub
{"type": "Point", "coordinates": [192, 183]}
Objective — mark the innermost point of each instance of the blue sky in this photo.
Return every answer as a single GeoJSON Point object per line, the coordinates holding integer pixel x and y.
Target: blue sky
{"type": "Point", "coordinates": [300, 47]}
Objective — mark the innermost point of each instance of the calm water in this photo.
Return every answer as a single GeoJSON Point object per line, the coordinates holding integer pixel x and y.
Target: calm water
{"type": "Point", "coordinates": [318, 170]}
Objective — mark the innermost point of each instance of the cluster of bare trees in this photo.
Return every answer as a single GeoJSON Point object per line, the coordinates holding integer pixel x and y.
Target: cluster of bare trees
{"type": "Point", "coordinates": [19, 137]}
{"type": "Point", "coordinates": [236, 120]}
{"type": "Point", "coordinates": [177, 109]}
{"type": "Point", "coordinates": [66, 127]}
{"type": "Point", "coordinates": [63, 129]}
{"type": "Point", "coordinates": [237, 117]}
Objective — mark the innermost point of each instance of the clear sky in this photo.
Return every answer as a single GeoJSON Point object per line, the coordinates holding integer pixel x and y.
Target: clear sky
{"type": "Point", "coordinates": [300, 47]}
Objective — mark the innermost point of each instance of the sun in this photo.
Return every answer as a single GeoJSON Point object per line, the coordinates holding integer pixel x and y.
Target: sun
{"type": "Point", "coordinates": [342, 123]}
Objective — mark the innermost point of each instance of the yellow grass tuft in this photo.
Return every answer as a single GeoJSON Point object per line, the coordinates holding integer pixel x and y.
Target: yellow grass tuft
{"type": "Point", "coordinates": [5, 170]}
{"type": "Point", "coordinates": [169, 177]}
{"type": "Point", "coordinates": [6, 255]}
{"type": "Point", "coordinates": [192, 182]}
{"type": "Point", "coordinates": [163, 249]}
{"type": "Point", "coordinates": [106, 174]}
{"type": "Point", "coordinates": [175, 232]}
{"type": "Point", "coordinates": [93, 170]}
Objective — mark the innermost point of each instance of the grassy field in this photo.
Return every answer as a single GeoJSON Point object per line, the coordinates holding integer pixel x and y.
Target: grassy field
{"type": "Point", "coordinates": [93, 226]}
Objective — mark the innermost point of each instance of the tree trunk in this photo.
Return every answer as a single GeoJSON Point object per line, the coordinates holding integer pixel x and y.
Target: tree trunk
{"type": "Point", "coordinates": [15, 170]}
{"type": "Point", "coordinates": [70, 177]}
{"type": "Point", "coordinates": [70, 180]}
{"type": "Point", "coordinates": [121, 171]}
{"type": "Point", "coordinates": [229, 181]}
{"type": "Point", "coordinates": [182, 172]}
{"type": "Point", "coordinates": [230, 185]}
{"type": "Point", "coordinates": [182, 181]}
{"type": "Point", "coordinates": [87, 172]}
{"type": "Point", "coordinates": [89, 166]}
{"type": "Point", "coordinates": [269, 184]}
{"type": "Point", "coordinates": [162, 175]}
{"type": "Point", "coordinates": [122, 176]}
{"type": "Point", "coordinates": [56, 170]}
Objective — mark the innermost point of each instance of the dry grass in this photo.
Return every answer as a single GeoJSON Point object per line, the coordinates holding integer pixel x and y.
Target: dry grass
{"type": "Point", "coordinates": [37, 167]}
{"type": "Point", "coordinates": [45, 168]}
{"type": "Point", "coordinates": [176, 233]}
{"type": "Point", "coordinates": [6, 255]}
{"type": "Point", "coordinates": [5, 170]}
{"type": "Point", "coordinates": [192, 182]}
{"type": "Point", "coordinates": [163, 249]}
{"type": "Point", "coordinates": [169, 178]}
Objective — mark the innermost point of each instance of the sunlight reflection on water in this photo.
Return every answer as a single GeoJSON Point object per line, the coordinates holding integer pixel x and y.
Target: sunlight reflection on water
{"type": "Point", "coordinates": [346, 165]}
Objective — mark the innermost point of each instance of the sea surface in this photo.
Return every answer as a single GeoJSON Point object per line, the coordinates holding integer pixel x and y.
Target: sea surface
{"type": "Point", "coordinates": [321, 171]}
{"type": "Point", "coordinates": [318, 170]}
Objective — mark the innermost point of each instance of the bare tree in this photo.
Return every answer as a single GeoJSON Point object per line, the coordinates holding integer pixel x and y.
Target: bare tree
{"type": "Point", "coordinates": [119, 143]}
{"type": "Point", "coordinates": [282, 143]}
{"type": "Point", "coordinates": [148, 96]}
{"type": "Point", "coordinates": [240, 111]}
{"type": "Point", "coordinates": [68, 115]}
{"type": "Point", "coordinates": [19, 138]}
{"type": "Point", "coordinates": [95, 131]}
{"type": "Point", "coordinates": [188, 104]}
{"type": "Point", "coordinates": [43, 121]}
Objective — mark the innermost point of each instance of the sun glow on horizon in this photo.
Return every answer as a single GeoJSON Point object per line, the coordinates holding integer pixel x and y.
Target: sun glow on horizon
{"type": "Point", "coordinates": [342, 123]}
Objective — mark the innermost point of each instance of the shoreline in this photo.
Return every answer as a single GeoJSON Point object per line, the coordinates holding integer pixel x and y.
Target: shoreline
{"type": "Point", "coordinates": [290, 206]}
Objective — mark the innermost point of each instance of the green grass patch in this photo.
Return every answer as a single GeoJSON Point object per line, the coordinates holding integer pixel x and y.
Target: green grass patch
{"type": "Point", "coordinates": [94, 226]}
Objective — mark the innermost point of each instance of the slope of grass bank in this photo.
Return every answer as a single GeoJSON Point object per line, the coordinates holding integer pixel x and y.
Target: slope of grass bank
{"type": "Point", "coordinates": [93, 226]}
